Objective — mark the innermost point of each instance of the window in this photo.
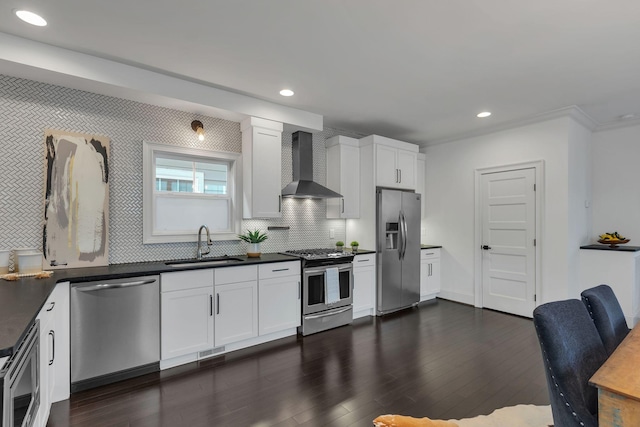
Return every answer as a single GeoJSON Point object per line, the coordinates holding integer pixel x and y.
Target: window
{"type": "Point", "coordinates": [185, 188]}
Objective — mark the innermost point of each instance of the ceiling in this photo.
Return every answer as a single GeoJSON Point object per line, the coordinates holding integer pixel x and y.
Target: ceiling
{"type": "Point", "coordinates": [414, 70]}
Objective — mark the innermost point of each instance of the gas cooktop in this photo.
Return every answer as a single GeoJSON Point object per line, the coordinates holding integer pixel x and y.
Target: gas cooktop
{"type": "Point", "coordinates": [322, 253]}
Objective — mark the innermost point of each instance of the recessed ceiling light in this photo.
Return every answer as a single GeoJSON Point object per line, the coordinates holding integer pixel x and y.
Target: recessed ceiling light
{"type": "Point", "coordinates": [484, 114]}
{"type": "Point", "coordinates": [31, 18]}
{"type": "Point", "coordinates": [286, 92]}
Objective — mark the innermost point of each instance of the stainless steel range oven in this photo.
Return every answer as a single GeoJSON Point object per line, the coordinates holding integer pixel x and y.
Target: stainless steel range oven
{"type": "Point", "coordinates": [20, 391]}
{"type": "Point", "coordinates": [319, 311]}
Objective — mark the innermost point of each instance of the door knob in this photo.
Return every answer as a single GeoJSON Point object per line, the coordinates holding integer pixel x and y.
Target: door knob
{"type": "Point", "coordinates": [486, 248]}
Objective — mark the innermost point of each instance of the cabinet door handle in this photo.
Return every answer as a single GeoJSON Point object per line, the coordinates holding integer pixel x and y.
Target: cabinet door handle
{"type": "Point", "coordinates": [342, 201]}
{"type": "Point", "coordinates": [53, 304]}
{"type": "Point", "coordinates": [397, 176]}
{"type": "Point", "coordinates": [279, 203]}
{"type": "Point", "coordinates": [299, 290]}
{"type": "Point", "coordinates": [217, 303]}
{"type": "Point", "coordinates": [400, 170]}
{"type": "Point", "coordinates": [280, 269]}
{"type": "Point", "coordinates": [52, 334]}
{"type": "Point", "coordinates": [363, 260]}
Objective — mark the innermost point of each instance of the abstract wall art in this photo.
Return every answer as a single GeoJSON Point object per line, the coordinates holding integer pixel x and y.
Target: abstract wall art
{"type": "Point", "coordinates": [76, 212]}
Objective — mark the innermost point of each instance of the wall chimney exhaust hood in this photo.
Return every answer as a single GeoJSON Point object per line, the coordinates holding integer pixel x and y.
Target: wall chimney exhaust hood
{"type": "Point", "coordinates": [303, 185]}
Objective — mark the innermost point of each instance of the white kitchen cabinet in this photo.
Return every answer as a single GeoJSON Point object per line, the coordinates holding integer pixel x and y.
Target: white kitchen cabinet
{"type": "Point", "coordinates": [279, 297]}
{"type": "Point", "coordinates": [186, 315]}
{"type": "Point", "coordinates": [261, 168]}
{"type": "Point", "coordinates": [395, 162]}
{"type": "Point", "coordinates": [343, 176]}
{"type": "Point", "coordinates": [618, 269]}
{"type": "Point", "coordinates": [54, 351]}
{"type": "Point", "coordinates": [236, 304]}
{"type": "Point", "coordinates": [364, 285]}
{"type": "Point", "coordinates": [429, 273]}
{"type": "Point", "coordinates": [236, 312]}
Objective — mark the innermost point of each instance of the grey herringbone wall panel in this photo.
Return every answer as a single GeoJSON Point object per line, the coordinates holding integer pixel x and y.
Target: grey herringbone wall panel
{"type": "Point", "coordinates": [28, 107]}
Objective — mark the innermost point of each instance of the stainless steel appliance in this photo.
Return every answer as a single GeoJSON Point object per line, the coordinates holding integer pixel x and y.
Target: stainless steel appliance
{"type": "Point", "coordinates": [318, 314]}
{"type": "Point", "coordinates": [20, 380]}
{"type": "Point", "coordinates": [115, 330]}
{"type": "Point", "coordinates": [398, 249]}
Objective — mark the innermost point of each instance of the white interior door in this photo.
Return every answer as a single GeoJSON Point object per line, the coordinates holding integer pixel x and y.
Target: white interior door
{"type": "Point", "coordinates": [508, 239]}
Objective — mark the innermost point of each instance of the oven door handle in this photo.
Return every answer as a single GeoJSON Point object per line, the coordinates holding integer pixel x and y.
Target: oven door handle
{"type": "Point", "coordinates": [307, 272]}
{"type": "Point", "coordinates": [328, 313]}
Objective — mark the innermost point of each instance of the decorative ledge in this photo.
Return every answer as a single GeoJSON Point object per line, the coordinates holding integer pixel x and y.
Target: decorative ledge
{"type": "Point", "coordinates": [621, 248]}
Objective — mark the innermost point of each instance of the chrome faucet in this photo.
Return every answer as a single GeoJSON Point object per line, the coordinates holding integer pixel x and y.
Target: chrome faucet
{"type": "Point", "coordinates": [209, 242]}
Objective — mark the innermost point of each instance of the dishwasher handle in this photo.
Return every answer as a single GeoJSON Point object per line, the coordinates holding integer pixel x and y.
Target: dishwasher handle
{"type": "Point", "coordinates": [105, 286]}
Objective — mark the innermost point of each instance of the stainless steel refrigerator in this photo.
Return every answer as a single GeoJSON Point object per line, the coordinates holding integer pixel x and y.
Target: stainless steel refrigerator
{"type": "Point", "coordinates": [398, 249]}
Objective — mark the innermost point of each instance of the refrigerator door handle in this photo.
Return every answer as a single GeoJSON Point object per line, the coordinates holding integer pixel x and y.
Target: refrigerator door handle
{"type": "Point", "coordinates": [403, 227]}
{"type": "Point", "coordinates": [400, 236]}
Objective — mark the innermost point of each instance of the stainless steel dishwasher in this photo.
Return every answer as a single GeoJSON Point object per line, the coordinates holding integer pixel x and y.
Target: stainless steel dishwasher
{"type": "Point", "coordinates": [115, 330]}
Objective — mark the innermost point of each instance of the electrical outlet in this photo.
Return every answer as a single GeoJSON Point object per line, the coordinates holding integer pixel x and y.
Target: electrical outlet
{"type": "Point", "coordinates": [332, 233]}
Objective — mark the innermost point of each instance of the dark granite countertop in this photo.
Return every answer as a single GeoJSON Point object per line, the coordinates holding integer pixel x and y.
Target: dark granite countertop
{"type": "Point", "coordinates": [365, 252]}
{"type": "Point", "coordinates": [620, 248]}
{"type": "Point", "coordinates": [430, 246]}
{"type": "Point", "coordinates": [22, 300]}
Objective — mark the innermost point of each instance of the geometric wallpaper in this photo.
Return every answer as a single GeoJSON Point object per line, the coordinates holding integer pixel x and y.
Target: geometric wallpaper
{"type": "Point", "coordinates": [28, 107]}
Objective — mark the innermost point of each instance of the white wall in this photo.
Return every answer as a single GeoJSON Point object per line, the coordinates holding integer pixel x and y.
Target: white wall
{"type": "Point", "coordinates": [616, 178]}
{"type": "Point", "coordinates": [451, 201]}
{"type": "Point", "coordinates": [579, 197]}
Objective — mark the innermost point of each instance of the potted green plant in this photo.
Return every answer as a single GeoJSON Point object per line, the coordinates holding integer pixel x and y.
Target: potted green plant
{"type": "Point", "coordinates": [253, 238]}
{"type": "Point", "coordinates": [339, 245]}
{"type": "Point", "coordinates": [354, 246]}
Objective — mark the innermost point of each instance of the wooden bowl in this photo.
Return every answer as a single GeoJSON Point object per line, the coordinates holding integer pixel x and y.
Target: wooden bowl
{"type": "Point", "coordinates": [613, 243]}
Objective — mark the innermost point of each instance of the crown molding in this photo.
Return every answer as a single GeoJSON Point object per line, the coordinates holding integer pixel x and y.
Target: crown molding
{"type": "Point", "coordinates": [617, 124]}
{"type": "Point", "coordinates": [572, 111]}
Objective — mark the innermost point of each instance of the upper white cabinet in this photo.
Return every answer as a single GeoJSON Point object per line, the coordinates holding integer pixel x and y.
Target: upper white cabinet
{"type": "Point", "coordinates": [395, 162]}
{"type": "Point", "coordinates": [261, 172]}
{"type": "Point", "coordinates": [343, 176]}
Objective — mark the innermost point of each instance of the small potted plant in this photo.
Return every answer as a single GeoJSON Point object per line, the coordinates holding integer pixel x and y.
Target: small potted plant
{"type": "Point", "coordinates": [354, 246]}
{"type": "Point", "coordinates": [253, 238]}
{"type": "Point", "coordinates": [339, 245]}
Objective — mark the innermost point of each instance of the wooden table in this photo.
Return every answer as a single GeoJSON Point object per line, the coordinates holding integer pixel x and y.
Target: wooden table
{"type": "Point", "coordinates": [618, 383]}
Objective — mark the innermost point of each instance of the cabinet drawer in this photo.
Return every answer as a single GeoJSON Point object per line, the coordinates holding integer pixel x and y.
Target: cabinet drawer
{"type": "Point", "coordinates": [279, 269]}
{"type": "Point", "coordinates": [430, 253]}
{"type": "Point", "coordinates": [235, 274]}
{"type": "Point", "coordinates": [364, 260]}
{"type": "Point", "coordinates": [181, 280]}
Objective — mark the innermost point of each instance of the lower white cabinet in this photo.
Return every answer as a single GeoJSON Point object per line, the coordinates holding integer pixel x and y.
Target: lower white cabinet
{"type": "Point", "coordinates": [364, 285]}
{"type": "Point", "coordinates": [236, 312]}
{"type": "Point", "coordinates": [429, 273]}
{"type": "Point", "coordinates": [210, 311]}
{"type": "Point", "coordinates": [187, 321]}
{"type": "Point", "coordinates": [186, 312]}
{"type": "Point", "coordinates": [279, 297]}
{"type": "Point", "coordinates": [54, 351]}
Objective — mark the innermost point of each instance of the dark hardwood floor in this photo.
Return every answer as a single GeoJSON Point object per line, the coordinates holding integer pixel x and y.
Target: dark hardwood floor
{"type": "Point", "coordinates": [442, 360]}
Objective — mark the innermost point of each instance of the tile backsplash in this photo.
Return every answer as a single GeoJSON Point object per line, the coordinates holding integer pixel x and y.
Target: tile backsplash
{"type": "Point", "coordinates": [28, 107]}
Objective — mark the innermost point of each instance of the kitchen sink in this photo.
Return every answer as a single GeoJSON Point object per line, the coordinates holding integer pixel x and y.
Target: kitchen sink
{"type": "Point", "coordinates": [204, 262]}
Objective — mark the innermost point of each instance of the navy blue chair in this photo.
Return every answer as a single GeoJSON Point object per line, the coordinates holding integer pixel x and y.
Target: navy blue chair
{"type": "Point", "coordinates": [572, 352]}
{"type": "Point", "coordinates": [607, 315]}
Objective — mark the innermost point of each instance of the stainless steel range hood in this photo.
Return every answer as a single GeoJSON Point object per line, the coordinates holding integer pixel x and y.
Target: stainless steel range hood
{"type": "Point", "coordinates": [303, 185]}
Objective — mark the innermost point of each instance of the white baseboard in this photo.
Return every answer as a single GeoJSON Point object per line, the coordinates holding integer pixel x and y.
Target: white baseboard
{"type": "Point", "coordinates": [188, 358]}
{"type": "Point", "coordinates": [363, 313]}
{"type": "Point", "coordinates": [457, 297]}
